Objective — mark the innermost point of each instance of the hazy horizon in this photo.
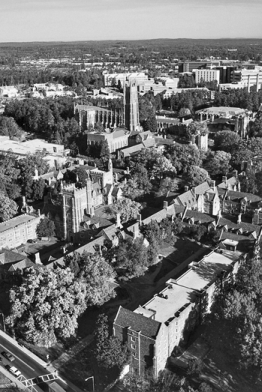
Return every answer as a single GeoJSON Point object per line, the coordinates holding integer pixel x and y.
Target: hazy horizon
{"type": "Point", "coordinates": [104, 20]}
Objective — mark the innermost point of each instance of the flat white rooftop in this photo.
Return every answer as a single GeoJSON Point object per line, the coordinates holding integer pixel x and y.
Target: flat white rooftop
{"type": "Point", "coordinates": [181, 291]}
{"type": "Point", "coordinates": [30, 146]}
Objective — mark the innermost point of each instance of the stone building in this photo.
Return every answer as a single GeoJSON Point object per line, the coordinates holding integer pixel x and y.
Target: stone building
{"type": "Point", "coordinates": [202, 198]}
{"type": "Point", "coordinates": [155, 329]}
{"type": "Point", "coordinates": [89, 116]}
{"type": "Point", "coordinates": [18, 230]}
{"type": "Point", "coordinates": [70, 207]}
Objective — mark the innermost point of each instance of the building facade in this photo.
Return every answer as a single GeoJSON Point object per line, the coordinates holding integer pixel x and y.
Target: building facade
{"type": "Point", "coordinates": [69, 208]}
{"type": "Point", "coordinates": [18, 230]}
{"type": "Point", "coordinates": [207, 75]}
{"type": "Point", "coordinates": [154, 330]}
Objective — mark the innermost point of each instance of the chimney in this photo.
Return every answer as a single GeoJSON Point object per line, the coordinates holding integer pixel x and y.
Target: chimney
{"type": "Point", "coordinates": [255, 219]}
{"type": "Point", "coordinates": [37, 258]}
{"type": "Point", "coordinates": [127, 170]}
{"type": "Point", "coordinates": [213, 185]}
{"type": "Point", "coordinates": [235, 173]}
{"type": "Point", "coordinates": [224, 179]}
{"type": "Point", "coordinates": [136, 230]}
{"type": "Point", "coordinates": [118, 220]}
{"type": "Point", "coordinates": [239, 218]}
{"type": "Point", "coordinates": [139, 219]}
{"type": "Point", "coordinates": [23, 201]}
{"type": "Point", "coordinates": [186, 188]}
{"type": "Point", "coordinates": [38, 212]}
{"type": "Point", "coordinates": [165, 204]}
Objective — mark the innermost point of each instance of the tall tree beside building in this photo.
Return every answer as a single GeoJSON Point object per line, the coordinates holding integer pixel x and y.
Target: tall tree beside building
{"type": "Point", "coordinates": [8, 208]}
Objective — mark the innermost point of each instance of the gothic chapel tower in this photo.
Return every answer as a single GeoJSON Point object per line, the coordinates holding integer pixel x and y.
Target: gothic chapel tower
{"type": "Point", "coordinates": [131, 108]}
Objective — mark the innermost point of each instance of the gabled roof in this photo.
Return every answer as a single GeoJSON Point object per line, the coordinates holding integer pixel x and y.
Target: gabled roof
{"type": "Point", "coordinates": [202, 188]}
{"type": "Point", "coordinates": [246, 227]}
{"type": "Point", "coordinates": [148, 143]}
{"type": "Point", "coordinates": [132, 150]}
{"type": "Point", "coordinates": [9, 256]}
{"type": "Point", "coordinates": [108, 232]}
{"type": "Point", "coordinates": [230, 181]}
{"type": "Point", "coordinates": [126, 318]}
{"type": "Point", "coordinates": [186, 198]}
{"type": "Point", "coordinates": [158, 216]}
{"type": "Point", "coordinates": [88, 248]}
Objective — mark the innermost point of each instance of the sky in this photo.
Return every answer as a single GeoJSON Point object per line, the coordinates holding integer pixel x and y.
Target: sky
{"type": "Point", "coordinates": [73, 20]}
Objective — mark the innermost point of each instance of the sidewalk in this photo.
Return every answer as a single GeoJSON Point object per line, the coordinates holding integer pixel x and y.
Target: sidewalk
{"type": "Point", "coordinates": [65, 357]}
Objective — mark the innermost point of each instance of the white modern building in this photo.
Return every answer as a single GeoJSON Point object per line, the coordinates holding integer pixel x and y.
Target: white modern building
{"type": "Point", "coordinates": [207, 75]}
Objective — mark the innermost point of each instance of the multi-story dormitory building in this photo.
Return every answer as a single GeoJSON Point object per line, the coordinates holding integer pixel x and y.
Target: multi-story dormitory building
{"type": "Point", "coordinates": [154, 329]}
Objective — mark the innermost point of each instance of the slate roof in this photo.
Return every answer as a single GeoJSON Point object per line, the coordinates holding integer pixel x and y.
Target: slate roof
{"type": "Point", "coordinates": [160, 141]}
{"type": "Point", "coordinates": [230, 181]}
{"type": "Point", "coordinates": [186, 198]}
{"type": "Point", "coordinates": [198, 216]}
{"type": "Point", "coordinates": [88, 248]}
{"type": "Point", "coordinates": [119, 133]}
{"type": "Point", "coordinates": [18, 220]}
{"type": "Point", "coordinates": [246, 227]}
{"type": "Point", "coordinates": [10, 260]}
{"type": "Point", "coordinates": [132, 150]}
{"type": "Point", "coordinates": [202, 188]}
{"type": "Point", "coordinates": [236, 196]}
{"type": "Point", "coordinates": [9, 256]}
{"type": "Point", "coordinates": [126, 318]}
{"type": "Point", "coordinates": [108, 232]}
{"type": "Point", "coordinates": [149, 143]}
{"type": "Point", "coordinates": [236, 237]}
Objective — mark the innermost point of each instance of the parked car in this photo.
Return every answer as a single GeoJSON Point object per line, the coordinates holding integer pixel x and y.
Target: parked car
{"type": "Point", "coordinates": [32, 241]}
{"type": "Point", "coordinates": [8, 356]}
{"type": "Point", "coordinates": [13, 370]}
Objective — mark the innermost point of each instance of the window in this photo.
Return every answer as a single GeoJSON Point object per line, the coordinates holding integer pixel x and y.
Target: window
{"type": "Point", "coordinates": [133, 339]}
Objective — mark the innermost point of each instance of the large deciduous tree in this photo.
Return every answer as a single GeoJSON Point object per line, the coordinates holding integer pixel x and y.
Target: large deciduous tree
{"type": "Point", "coordinates": [183, 156]}
{"type": "Point", "coordinates": [109, 350]}
{"type": "Point", "coordinates": [8, 207]}
{"type": "Point", "coordinates": [128, 209]}
{"type": "Point", "coordinates": [226, 141]}
{"type": "Point", "coordinates": [45, 228]}
{"type": "Point", "coordinates": [97, 275]}
{"type": "Point", "coordinates": [131, 258]}
{"type": "Point", "coordinates": [46, 306]}
{"type": "Point", "coordinates": [217, 163]}
{"type": "Point", "coordinates": [196, 176]}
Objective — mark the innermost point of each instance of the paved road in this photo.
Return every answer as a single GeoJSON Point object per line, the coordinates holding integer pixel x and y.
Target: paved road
{"type": "Point", "coordinates": [27, 365]}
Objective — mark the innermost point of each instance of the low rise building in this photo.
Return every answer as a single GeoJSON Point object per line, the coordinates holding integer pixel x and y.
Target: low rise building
{"type": "Point", "coordinates": [8, 92]}
{"type": "Point", "coordinates": [18, 230]}
{"type": "Point", "coordinates": [54, 153]}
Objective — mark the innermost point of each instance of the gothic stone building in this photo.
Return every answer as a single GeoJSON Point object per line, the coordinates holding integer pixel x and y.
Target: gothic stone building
{"type": "Point", "coordinates": [70, 206]}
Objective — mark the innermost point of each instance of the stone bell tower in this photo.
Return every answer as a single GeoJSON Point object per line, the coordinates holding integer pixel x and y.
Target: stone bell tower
{"type": "Point", "coordinates": [131, 108]}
